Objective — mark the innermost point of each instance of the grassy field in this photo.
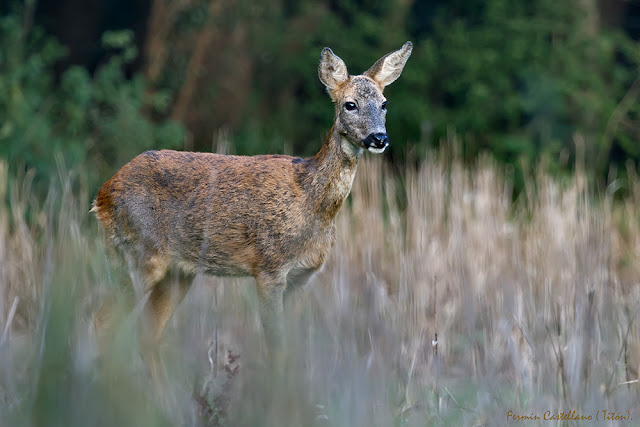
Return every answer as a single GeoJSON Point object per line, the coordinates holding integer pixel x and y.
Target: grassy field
{"type": "Point", "coordinates": [534, 304]}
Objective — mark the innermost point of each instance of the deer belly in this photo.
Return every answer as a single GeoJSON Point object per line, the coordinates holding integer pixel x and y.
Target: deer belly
{"type": "Point", "coordinates": [218, 255]}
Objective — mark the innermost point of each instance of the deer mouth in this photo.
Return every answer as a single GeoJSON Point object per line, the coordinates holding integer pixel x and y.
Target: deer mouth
{"type": "Point", "coordinates": [378, 150]}
{"type": "Point", "coordinates": [376, 142]}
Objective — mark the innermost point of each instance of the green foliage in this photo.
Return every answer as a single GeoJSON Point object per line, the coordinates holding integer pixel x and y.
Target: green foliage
{"type": "Point", "coordinates": [519, 79]}
{"type": "Point", "coordinates": [522, 79]}
{"type": "Point", "coordinates": [98, 121]}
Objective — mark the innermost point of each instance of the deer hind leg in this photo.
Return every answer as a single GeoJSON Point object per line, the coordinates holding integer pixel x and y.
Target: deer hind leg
{"type": "Point", "coordinates": [119, 302]}
{"type": "Point", "coordinates": [115, 307]}
{"type": "Point", "coordinates": [134, 277]}
{"type": "Point", "coordinates": [165, 295]}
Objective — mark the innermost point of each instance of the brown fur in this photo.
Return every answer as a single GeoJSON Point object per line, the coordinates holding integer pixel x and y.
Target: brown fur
{"type": "Point", "coordinates": [172, 214]}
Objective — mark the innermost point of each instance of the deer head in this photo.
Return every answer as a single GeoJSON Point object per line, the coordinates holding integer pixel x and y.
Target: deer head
{"type": "Point", "coordinates": [360, 106]}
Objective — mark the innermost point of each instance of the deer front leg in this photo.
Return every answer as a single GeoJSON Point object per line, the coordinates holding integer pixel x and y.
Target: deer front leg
{"type": "Point", "coordinates": [296, 279]}
{"type": "Point", "coordinates": [270, 290]}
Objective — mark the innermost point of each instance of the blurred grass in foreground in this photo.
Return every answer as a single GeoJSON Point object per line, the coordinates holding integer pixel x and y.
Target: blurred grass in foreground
{"type": "Point", "coordinates": [535, 306]}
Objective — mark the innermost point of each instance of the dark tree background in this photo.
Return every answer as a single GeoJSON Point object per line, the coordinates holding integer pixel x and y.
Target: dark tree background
{"type": "Point", "coordinates": [94, 83]}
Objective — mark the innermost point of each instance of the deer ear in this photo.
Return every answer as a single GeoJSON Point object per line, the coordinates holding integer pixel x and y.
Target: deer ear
{"type": "Point", "coordinates": [388, 68]}
{"type": "Point", "coordinates": [332, 70]}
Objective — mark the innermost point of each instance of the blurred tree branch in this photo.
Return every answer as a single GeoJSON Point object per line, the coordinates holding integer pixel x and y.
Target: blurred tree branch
{"type": "Point", "coordinates": [203, 42]}
{"type": "Point", "coordinates": [161, 21]}
{"type": "Point", "coordinates": [591, 18]}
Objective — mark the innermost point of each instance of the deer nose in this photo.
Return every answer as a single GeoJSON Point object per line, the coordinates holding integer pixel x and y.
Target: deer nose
{"type": "Point", "coordinates": [376, 142]}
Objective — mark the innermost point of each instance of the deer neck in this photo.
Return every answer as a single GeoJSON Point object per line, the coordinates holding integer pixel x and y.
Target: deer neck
{"type": "Point", "coordinates": [330, 174]}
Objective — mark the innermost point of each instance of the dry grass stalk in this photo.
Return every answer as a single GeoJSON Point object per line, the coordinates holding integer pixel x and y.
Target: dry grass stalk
{"type": "Point", "coordinates": [535, 306]}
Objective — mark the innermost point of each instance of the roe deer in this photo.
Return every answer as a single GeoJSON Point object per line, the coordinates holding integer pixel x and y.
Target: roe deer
{"type": "Point", "coordinates": [172, 214]}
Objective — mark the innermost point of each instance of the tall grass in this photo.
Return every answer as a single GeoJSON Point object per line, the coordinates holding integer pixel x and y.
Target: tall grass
{"type": "Point", "coordinates": [453, 309]}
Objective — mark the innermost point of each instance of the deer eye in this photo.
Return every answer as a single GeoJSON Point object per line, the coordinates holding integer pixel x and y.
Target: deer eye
{"type": "Point", "coordinates": [350, 106]}
{"type": "Point", "coordinates": [384, 105]}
